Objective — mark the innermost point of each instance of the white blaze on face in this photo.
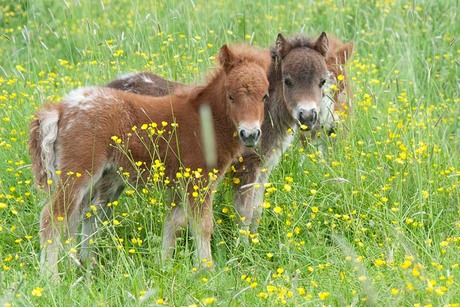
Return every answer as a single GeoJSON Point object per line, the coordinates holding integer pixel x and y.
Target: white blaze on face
{"type": "Point", "coordinates": [249, 126]}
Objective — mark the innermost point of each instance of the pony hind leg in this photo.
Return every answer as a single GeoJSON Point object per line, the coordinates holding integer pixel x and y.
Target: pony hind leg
{"type": "Point", "coordinates": [105, 190]}
{"type": "Point", "coordinates": [50, 242]}
{"type": "Point", "coordinates": [58, 218]}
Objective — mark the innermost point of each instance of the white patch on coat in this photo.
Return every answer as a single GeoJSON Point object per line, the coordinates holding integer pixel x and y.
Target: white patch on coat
{"type": "Point", "coordinates": [128, 79]}
{"type": "Point", "coordinates": [88, 98]}
{"type": "Point", "coordinates": [327, 116]}
{"type": "Point", "coordinates": [127, 76]}
{"type": "Point", "coordinates": [49, 132]}
{"type": "Point", "coordinates": [146, 79]}
{"type": "Point", "coordinates": [82, 98]}
{"type": "Point", "coordinates": [327, 113]}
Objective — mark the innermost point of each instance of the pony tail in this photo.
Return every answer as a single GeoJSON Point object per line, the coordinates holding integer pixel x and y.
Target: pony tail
{"type": "Point", "coordinates": [43, 134]}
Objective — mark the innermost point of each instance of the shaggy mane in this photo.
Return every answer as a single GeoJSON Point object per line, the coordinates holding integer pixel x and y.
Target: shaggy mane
{"type": "Point", "coordinates": [296, 42]}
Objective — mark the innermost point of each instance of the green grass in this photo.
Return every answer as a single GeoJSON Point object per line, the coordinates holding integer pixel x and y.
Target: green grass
{"type": "Point", "coordinates": [375, 222]}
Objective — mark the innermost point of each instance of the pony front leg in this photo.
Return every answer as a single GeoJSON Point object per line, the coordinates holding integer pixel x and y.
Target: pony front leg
{"type": "Point", "coordinates": [258, 201]}
{"type": "Point", "coordinates": [249, 200]}
{"type": "Point", "coordinates": [244, 199]}
{"type": "Point", "coordinates": [175, 221]}
{"type": "Point", "coordinates": [106, 190]}
{"type": "Point", "coordinates": [244, 207]}
{"type": "Point", "coordinates": [89, 228]}
{"type": "Point", "coordinates": [202, 226]}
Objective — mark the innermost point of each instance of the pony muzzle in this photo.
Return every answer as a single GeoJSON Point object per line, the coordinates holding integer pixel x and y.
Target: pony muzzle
{"type": "Point", "coordinates": [249, 136]}
{"type": "Point", "coordinates": [308, 118]}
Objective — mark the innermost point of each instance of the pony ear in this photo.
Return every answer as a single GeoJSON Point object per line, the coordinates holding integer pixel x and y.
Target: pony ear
{"type": "Point", "coordinates": [345, 52]}
{"type": "Point", "coordinates": [226, 58]}
{"type": "Point", "coordinates": [282, 46]}
{"type": "Point", "coordinates": [322, 44]}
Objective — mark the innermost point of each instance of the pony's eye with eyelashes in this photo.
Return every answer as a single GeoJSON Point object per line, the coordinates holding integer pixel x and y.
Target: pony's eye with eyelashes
{"type": "Point", "coordinates": [265, 99]}
{"type": "Point", "coordinates": [288, 82]}
{"type": "Point", "coordinates": [230, 97]}
{"type": "Point", "coordinates": [322, 82]}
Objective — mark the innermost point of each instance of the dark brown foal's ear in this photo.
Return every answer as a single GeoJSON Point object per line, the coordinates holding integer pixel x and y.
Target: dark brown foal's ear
{"type": "Point", "coordinates": [345, 52]}
{"type": "Point", "coordinates": [282, 46]}
{"type": "Point", "coordinates": [226, 58]}
{"type": "Point", "coordinates": [322, 44]}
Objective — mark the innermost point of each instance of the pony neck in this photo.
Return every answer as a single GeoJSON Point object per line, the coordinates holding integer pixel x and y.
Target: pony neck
{"type": "Point", "coordinates": [277, 115]}
{"type": "Point", "coordinates": [213, 94]}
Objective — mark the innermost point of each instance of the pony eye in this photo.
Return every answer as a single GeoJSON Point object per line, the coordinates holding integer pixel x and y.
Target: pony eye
{"type": "Point", "coordinates": [230, 97]}
{"type": "Point", "coordinates": [288, 82]}
{"type": "Point", "coordinates": [265, 99]}
{"type": "Point", "coordinates": [322, 82]}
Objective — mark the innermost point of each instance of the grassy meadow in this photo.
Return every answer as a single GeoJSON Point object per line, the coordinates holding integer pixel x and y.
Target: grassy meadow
{"type": "Point", "coordinates": [376, 221]}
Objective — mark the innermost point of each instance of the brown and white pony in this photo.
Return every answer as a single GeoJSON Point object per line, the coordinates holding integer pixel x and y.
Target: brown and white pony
{"type": "Point", "coordinates": [72, 144]}
{"type": "Point", "coordinates": [297, 75]}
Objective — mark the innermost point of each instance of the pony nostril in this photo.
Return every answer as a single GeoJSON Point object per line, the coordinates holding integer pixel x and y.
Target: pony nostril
{"type": "Point", "coordinates": [242, 134]}
{"type": "Point", "coordinates": [314, 116]}
{"type": "Point", "coordinates": [258, 133]}
{"type": "Point", "coordinates": [301, 112]}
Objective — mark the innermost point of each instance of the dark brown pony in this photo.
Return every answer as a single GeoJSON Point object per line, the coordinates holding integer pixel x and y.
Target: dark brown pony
{"type": "Point", "coordinates": [297, 75]}
{"type": "Point", "coordinates": [70, 145]}
{"type": "Point", "coordinates": [145, 83]}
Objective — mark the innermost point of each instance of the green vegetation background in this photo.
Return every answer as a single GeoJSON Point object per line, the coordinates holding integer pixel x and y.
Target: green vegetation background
{"type": "Point", "coordinates": [376, 221]}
